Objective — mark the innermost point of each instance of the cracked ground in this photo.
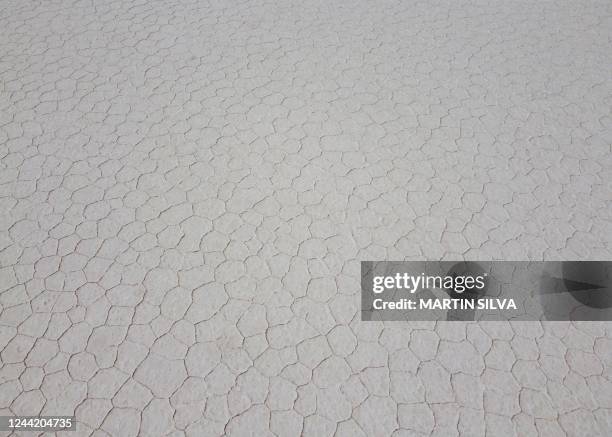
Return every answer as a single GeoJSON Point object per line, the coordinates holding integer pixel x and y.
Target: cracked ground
{"type": "Point", "coordinates": [187, 188]}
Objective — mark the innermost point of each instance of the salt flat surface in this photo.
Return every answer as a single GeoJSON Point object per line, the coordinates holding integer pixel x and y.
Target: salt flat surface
{"type": "Point", "coordinates": [187, 188]}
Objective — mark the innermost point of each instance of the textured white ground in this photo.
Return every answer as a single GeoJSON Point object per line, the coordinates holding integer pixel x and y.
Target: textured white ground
{"type": "Point", "coordinates": [187, 188]}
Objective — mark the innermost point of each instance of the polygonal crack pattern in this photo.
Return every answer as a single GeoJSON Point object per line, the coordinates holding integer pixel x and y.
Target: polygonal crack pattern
{"type": "Point", "coordinates": [187, 188]}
